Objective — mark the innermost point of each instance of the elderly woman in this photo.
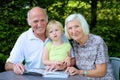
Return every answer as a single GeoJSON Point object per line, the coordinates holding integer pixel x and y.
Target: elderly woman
{"type": "Point", "coordinates": [91, 52]}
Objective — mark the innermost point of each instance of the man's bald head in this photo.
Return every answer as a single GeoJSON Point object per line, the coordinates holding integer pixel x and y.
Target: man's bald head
{"type": "Point", "coordinates": [36, 11]}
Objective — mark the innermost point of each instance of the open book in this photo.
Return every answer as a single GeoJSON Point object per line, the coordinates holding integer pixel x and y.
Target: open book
{"type": "Point", "coordinates": [44, 73]}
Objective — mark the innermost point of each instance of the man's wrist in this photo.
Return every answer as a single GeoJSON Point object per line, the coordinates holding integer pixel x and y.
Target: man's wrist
{"type": "Point", "coordinates": [12, 67]}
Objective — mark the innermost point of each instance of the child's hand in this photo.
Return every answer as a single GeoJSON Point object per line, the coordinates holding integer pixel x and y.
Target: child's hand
{"type": "Point", "coordinates": [55, 66]}
{"type": "Point", "coordinates": [67, 61]}
{"type": "Point", "coordinates": [57, 63]}
{"type": "Point", "coordinates": [51, 68]}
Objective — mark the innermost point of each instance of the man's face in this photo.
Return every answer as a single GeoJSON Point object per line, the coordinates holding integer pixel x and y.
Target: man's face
{"type": "Point", "coordinates": [38, 22]}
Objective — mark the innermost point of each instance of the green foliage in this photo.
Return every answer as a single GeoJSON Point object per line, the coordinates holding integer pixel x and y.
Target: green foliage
{"type": "Point", "coordinates": [108, 25]}
{"type": "Point", "coordinates": [111, 37]}
{"type": "Point", "coordinates": [3, 57]}
{"type": "Point", "coordinates": [13, 22]}
{"type": "Point", "coordinates": [2, 61]}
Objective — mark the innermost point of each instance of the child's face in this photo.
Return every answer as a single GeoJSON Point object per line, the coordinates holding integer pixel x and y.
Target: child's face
{"type": "Point", "coordinates": [55, 33]}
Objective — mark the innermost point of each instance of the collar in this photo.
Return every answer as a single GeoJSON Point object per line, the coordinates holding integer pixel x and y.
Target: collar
{"type": "Point", "coordinates": [31, 34]}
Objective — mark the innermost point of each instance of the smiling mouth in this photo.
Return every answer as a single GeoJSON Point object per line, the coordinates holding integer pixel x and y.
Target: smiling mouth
{"type": "Point", "coordinates": [40, 28]}
{"type": "Point", "coordinates": [55, 36]}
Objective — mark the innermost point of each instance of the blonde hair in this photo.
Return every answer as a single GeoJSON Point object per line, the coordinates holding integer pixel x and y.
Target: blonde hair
{"type": "Point", "coordinates": [82, 21]}
{"type": "Point", "coordinates": [53, 23]}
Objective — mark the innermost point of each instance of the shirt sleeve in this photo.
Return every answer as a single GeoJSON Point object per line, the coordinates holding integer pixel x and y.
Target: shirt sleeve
{"type": "Point", "coordinates": [16, 55]}
{"type": "Point", "coordinates": [102, 52]}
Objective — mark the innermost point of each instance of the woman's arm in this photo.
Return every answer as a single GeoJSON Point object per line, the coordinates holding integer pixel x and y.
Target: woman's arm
{"type": "Point", "coordinates": [100, 71]}
{"type": "Point", "coordinates": [72, 61]}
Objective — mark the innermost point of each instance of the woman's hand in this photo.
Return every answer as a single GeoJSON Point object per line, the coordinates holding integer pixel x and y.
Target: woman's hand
{"type": "Point", "coordinates": [72, 71]}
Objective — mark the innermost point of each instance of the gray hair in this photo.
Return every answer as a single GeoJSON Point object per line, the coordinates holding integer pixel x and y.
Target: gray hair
{"type": "Point", "coordinates": [44, 10]}
{"type": "Point", "coordinates": [81, 19]}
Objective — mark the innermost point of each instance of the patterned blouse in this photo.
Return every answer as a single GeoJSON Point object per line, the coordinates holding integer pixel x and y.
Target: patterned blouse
{"type": "Point", "coordinates": [93, 52]}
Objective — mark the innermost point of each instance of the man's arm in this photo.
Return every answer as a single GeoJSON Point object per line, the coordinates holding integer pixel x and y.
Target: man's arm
{"type": "Point", "coordinates": [17, 68]}
{"type": "Point", "coordinates": [9, 66]}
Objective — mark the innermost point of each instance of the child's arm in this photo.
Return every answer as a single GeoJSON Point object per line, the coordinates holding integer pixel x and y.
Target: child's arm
{"type": "Point", "coordinates": [45, 58]}
{"type": "Point", "coordinates": [67, 60]}
{"type": "Point", "coordinates": [70, 61]}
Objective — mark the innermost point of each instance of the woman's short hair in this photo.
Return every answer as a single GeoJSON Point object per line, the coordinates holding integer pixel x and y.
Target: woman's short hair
{"type": "Point", "coordinates": [53, 23]}
{"type": "Point", "coordinates": [81, 19]}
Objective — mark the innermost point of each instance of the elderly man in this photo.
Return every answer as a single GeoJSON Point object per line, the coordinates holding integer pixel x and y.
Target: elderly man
{"type": "Point", "coordinates": [29, 46]}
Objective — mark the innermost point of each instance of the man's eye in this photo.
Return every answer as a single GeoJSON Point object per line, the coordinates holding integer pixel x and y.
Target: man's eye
{"type": "Point", "coordinates": [35, 21]}
{"type": "Point", "coordinates": [69, 28]}
{"type": "Point", "coordinates": [42, 20]}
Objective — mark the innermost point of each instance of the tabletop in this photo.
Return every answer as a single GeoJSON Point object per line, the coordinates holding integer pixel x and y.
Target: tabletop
{"type": "Point", "coordinates": [10, 75]}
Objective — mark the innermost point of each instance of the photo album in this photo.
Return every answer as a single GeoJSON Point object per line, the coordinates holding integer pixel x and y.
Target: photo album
{"type": "Point", "coordinates": [44, 73]}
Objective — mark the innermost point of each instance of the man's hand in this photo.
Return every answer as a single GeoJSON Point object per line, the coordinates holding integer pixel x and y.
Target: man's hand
{"type": "Point", "coordinates": [18, 68]}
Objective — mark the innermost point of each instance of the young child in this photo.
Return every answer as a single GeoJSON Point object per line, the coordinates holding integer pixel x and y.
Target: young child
{"type": "Point", "coordinates": [56, 52]}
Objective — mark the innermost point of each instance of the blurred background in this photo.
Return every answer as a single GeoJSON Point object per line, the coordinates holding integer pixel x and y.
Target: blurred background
{"type": "Point", "coordinates": [103, 17]}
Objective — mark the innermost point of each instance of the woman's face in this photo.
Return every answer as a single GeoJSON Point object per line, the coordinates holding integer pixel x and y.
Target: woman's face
{"type": "Point", "coordinates": [75, 30]}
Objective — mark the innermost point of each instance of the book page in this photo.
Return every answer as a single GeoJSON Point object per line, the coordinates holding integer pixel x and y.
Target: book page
{"type": "Point", "coordinates": [44, 73]}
